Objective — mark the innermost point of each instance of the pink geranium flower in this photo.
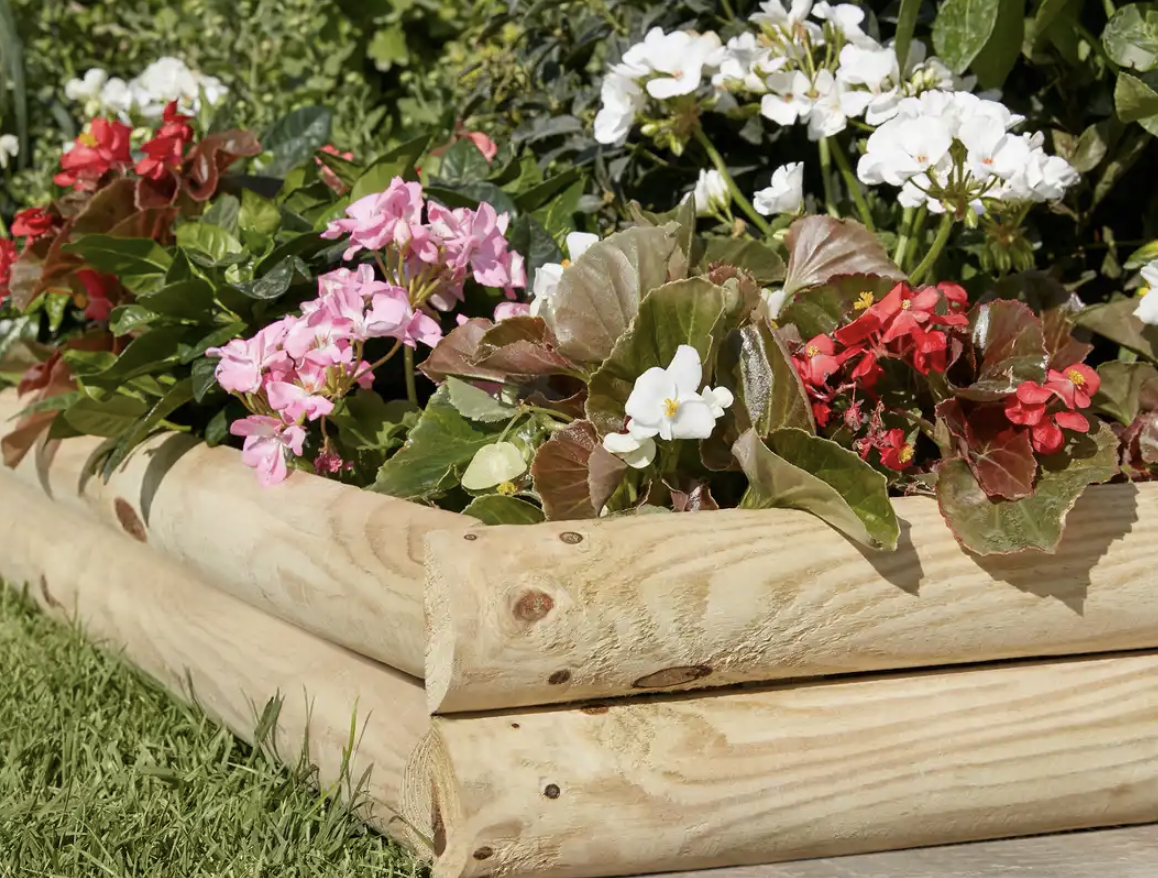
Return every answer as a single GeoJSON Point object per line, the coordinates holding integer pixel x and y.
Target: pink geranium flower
{"type": "Point", "coordinates": [266, 442]}
{"type": "Point", "coordinates": [324, 333]}
{"type": "Point", "coordinates": [303, 395]}
{"type": "Point", "coordinates": [373, 221]}
{"type": "Point", "coordinates": [503, 310]}
{"type": "Point", "coordinates": [243, 362]}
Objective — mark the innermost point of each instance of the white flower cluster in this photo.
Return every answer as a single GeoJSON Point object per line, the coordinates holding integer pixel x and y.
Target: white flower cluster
{"type": "Point", "coordinates": [663, 66]}
{"type": "Point", "coordinates": [166, 79]}
{"type": "Point", "coordinates": [1147, 310]}
{"type": "Point", "coordinates": [9, 148]}
{"type": "Point", "coordinates": [711, 193]}
{"type": "Point", "coordinates": [915, 151]}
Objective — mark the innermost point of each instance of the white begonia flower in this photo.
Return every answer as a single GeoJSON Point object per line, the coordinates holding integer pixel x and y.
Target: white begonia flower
{"type": "Point", "coordinates": [711, 193]}
{"type": "Point", "coordinates": [667, 402]}
{"type": "Point", "coordinates": [785, 193]}
{"type": "Point", "coordinates": [492, 465]}
{"type": "Point", "coordinates": [718, 399]}
{"type": "Point", "coordinates": [9, 148]}
{"type": "Point", "coordinates": [636, 453]}
{"type": "Point", "coordinates": [621, 99]}
{"type": "Point", "coordinates": [846, 18]}
{"type": "Point", "coordinates": [1147, 310]}
{"type": "Point", "coordinates": [773, 302]}
{"type": "Point", "coordinates": [88, 88]}
{"type": "Point", "coordinates": [547, 276]}
{"type": "Point", "coordinates": [683, 57]}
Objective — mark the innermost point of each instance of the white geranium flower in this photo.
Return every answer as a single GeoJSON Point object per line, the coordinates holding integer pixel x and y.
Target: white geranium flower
{"type": "Point", "coordinates": [169, 79]}
{"type": "Point", "coordinates": [711, 193]}
{"type": "Point", "coordinates": [775, 14]}
{"type": "Point", "coordinates": [621, 99]}
{"type": "Point", "coordinates": [117, 97]}
{"type": "Point", "coordinates": [683, 57]}
{"type": "Point", "coordinates": [847, 19]}
{"type": "Point", "coordinates": [667, 402]}
{"type": "Point", "coordinates": [88, 88]}
{"type": "Point", "coordinates": [773, 302]}
{"type": "Point", "coordinates": [636, 453]}
{"type": "Point", "coordinates": [547, 276]}
{"type": "Point", "coordinates": [992, 149]}
{"type": "Point", "coordinates": [746, 63]}
{"type": "Point", "coordinates": [875, 70]}
{"type": "Point", "coordinates": [790, 100]}
{"type": "Point", "coordinates": [9, 148]}
{"type": "Point", "coordinates": [1147, 310]}
{"type": "Point", "coordinates": [902, 148]}
{"type": "Point", "coordinates": [835, 105]}
{"type": "Point", "coordinates": [785, 192]}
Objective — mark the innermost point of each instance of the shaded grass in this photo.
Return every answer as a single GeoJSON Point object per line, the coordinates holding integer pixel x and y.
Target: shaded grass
{"type": "Point", "coordinates": [103, 774]}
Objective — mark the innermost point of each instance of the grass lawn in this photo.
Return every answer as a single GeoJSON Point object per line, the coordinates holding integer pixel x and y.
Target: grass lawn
{"type": "Point", "coordinates": [103, 774]}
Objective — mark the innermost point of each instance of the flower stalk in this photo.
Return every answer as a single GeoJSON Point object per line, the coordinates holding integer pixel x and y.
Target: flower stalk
{"type": "Point", "coordinates": [939, 242]}
{"type": "Point", "coordinates": [737, 195]}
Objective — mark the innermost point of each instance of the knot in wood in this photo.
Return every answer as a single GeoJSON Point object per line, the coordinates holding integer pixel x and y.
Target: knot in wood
{"type": "Point", "coordinates": [484, 853]}
{"type": "Point", "coordinates": [129, 519]}
{"type": "Point", "coordinates": [570, 537]}
{"type": "Point", "coordinates": [672, 677]}
{"type": "Point", "coordinates": [559, 677]}
{"type": "Point", "coordinates": [551, 791]}
{"type": "Point", "coordinates": [533, 606]}
{"type": "Point", "coordinates": [470, 537]}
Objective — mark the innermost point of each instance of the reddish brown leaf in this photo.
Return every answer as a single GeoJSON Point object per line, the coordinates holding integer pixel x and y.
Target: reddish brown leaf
{"type": "Point", "coordinates": [564, 473]}
{"type": "Point", "coordinates": [1000, 454]}
{"type": "Point", "coordinates": [522, 347]}
{"type": "Point", "coordinates": [1063, 349]}
{"type": "Point", "coordinates": [107, 207]}
{"type": "Point", "coordinates": [454, 355]}
{"type": "Point", "coordinates": [604, 475]}
{"type": "Point", "coordinates": [212, 156]}
{"type": "Point", "coordinates": [697, 498]}
{"type": "Point", "coordinates": [822, 247]}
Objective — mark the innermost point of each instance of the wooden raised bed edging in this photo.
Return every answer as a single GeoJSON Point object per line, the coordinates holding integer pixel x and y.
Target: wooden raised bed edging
{"type": "Point", "coordinates": [519, 620]}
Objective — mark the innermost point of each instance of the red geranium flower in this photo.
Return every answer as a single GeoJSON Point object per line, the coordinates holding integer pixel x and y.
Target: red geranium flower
{"type": "Point", "coordinates": [103, 147]}
{"type": "Point", "coordinates": [32, 223]}
{"type": "Point", "coordinates": [896, 452]}
{"type": "Point", "coordinates": [166, 151]}
{"type": "Point", "coordinates": [1075, 386]}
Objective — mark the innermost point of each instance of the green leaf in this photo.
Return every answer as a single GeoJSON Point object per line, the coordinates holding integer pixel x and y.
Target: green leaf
{"type": "Point", "coordinates": [600, 292]}
{"type": "Point", "coordinates": [213, 241]}
{"type": "Point", "coordinates": [1136, 101]}
{"type": "Point", "coordinates": [821, 310]}
{"type": "Point", "coordinates": [204, 377]}
{"type": "Point", "coordinates": [147, 353]}
{"type": "Point", "coordinates": [559, 218]}
{"type": "Point", "coordinates": [821, 248]}
{"type": "Point", "coordinates": [137, 262]}
{"type": "Point", "coordinates": [48, 404]}
{"type": "Point", "coordinates": [1127, 390]}
{"type": "Point", "coordinates": [184, 300]}
{"type": "Point", "coordinates": [258, 214]}
{"type": "Point", "coordinates": [1010, 348]}
{"type": "Point", "coordinates": [370, 423]}
{"type": "Point", "coordinates": [345, 170]}
{"type": "Point", "coordinates": [85, 363]}
{"type": "Point", "coordinates": [217, 429]}
{"type": "Point", "coordinates": [999, 453]}
{"type": "Point", "coordinates": [995, 61]}
{"type": "Point", "coordinates": [537, 196]}
{"type": "Point", "coordinates": [497, 509]}
{"type": "Point", "coordinates": [764, 263]}
{"type": "Point", "coordinates": [276, 282]}
{"type": "Point", "coordinates": [388, 47]}
{"type": "Point", "coordinates": [906, 25]}
{"type": "Point", "coordinates": [1131, 37]}
{"type": "Point", "coordinates": [528, 237]}
{"type": "Point", "coordinates": [767, 385]}
{"type": "Point", "coordinates": [1146, 253]}
{"type": "Point", "coordinates": [398, 162]}
{"type": "Point", "coordinates": [463, 163]}
{"type": "Point", "coordinates": [678, 313]}
{"type": "Point", "coordinates": [126, 318]}
{"type": "Point", "coordinates": [988, 527]}
{"type": "Point", "coordinates": [823, 478]}
{"type": "Point", "coordinates": [1116, 321]}
{"type": "Point", "coordinates": [477, 405]}
{"type": "Point", "coordinates": [55, 306]}
{"type": "Point", "coordinates": [294, 139]}
{"type": "Point", "coordinates": [188, 352]}
{"type": "Point", "coordinates": [962, 29]}
{"type": "Point", "coordinates": [441, 442]}
{"type": "Point", "coordinates": [177, 395]}
{"type": "Point", "coordinates": [110, 417]}
{"type": "Point", "coordinates": [224, 213]}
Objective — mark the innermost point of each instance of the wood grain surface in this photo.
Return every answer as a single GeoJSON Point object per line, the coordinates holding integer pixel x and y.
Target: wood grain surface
{"type": "Point", "coordinates": [569, 611]}
{"type": "Point", "coordinates": [344, 563]}
{"type": "Point", "coordinates": [178, 630]}
{"type": "Point", "coordinates": [798, 771]}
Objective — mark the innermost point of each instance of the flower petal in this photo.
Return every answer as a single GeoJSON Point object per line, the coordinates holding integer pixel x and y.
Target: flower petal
{"type": "Point", "coordinates": [693, 420]}
{"type": "Point", "coordinates": [686, 370]}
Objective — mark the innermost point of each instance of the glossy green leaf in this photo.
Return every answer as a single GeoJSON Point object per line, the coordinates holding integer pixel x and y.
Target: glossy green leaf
{"type": "Point", "coordinates": [110, 417]}
{"type": "Point", "coordinates": [1127, 390]}
{"type": "Point", "coordinates": [1131, 36]}
{"type": "Point", "coordinates": [463, 163]}
{"type": "Point", "coordinates": [177, 395]}
{"type": "Point", "coordinates": [294, 139]}
{"type": "Point", "coordinates": [906, 25]}
{"type": "Point", "coordinates": [185, 300]}
{"type": "Point", "coordinates": [398, 162]}
{"type": "Point", "coordinates": [210, 240]}
{"type": "Point", "coordinates": [477, 405]}
{"type": "Point", "coordinates": [138, 263]}
{"type": "Point", "coordinates": [498, 509]}
{"type": "Point", "coordinates": [962, 29]}
{"type": "Point", "coordinates": [1000, 53]}
{"type": "Point", "coordinates": [126, 318]}
{"type": "Point", "coordinates": [258, 214]}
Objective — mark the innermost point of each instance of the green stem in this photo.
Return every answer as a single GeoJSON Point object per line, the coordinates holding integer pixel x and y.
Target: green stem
{"type": "Point", "coordinates": [728, 11]}
{"type": "Point", "coordinates": [853, 185]}
{"type": "Point", "coordinates": [826, 176]}
{"type": "Point", "coordinates": [918, 231]}
{"type": "Point", "coordinates": [737, 195]}
{"type": "Point", "coordinates": [408, 362]}
{"type": "Point", "coordinates": [905, 237]}
{"type": "Point", "coordinates": [372, 367]}
{"type": "Point", "coordinates": [938, 245]}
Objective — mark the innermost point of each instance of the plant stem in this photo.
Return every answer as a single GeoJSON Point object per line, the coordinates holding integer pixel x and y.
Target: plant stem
{"type": "Point", "coordinates": [728, 11]}
{"type": "Point", "coordinates": [408, 362]}
{"type": "Point", "coordinates": [938, 245]}
{"type": "Point", "coordinates": [737, 195]}
{"type": "Point", "coordinates": [826, 176]}
{"type": "Point", "coordinates": [906, 236]}
{"type": "Point", "coordinates": [373, 366]}
{"type": "Point", "coordinates": [853, 185]}
{"type": "Point", "coordinates": [918, 235]}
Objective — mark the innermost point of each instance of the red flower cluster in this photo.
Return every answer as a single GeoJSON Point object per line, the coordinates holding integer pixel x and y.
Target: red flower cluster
{"type": "Point", "coordinates": [32, 223]}
{"type": "Point", "coordinates": [1030, 406]}
{"type": "Point", "coordinates": [7, 257]}
{"type": "Point", "coordinates": [104, 147]}
{"type": "Point", "coordinates": [166, 151]}
{"type": "Point", "coordinates": [96, 287]}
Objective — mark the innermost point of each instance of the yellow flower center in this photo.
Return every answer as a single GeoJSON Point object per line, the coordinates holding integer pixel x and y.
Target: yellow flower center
{"type": "Point", "coordinates": [906, 305]}
{"type": "Point", "coordinates": [86, 139]}
{"type": "Point", "coordinates": [506, 488]}
{"type": "Point", "coordinates": [670, 407]}
{"type": "Point", "coordinates": [1076, 377]}
{"type": "Point", "coordinates": [565, 263]}
{"type": "Point", "coordinates": [812, 350]}
{"type": "Point", "coordinates": [906, 453]}
{"type": "Point", "coordinates": [865, 301]}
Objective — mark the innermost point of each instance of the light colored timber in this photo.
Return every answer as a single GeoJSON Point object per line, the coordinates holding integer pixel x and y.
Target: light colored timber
{"type": "Point", "coordinates": [569, 611]}
{"type": "Point", "coordinates": [178, 630]}
{"type": "Point", "coordinates": [343, 563]}
{"type": "Point", "coordinates": [797, 771]}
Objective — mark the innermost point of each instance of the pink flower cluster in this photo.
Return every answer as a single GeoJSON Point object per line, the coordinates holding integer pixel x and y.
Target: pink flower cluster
{"type": "Point", "coordinates": [431, 249]}
{"type": "Point", "coordinates": [294, 370]}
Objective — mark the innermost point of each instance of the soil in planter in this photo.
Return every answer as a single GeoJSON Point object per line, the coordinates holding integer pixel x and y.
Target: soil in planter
{"type": "Point", "coordinates": [101, 772]}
